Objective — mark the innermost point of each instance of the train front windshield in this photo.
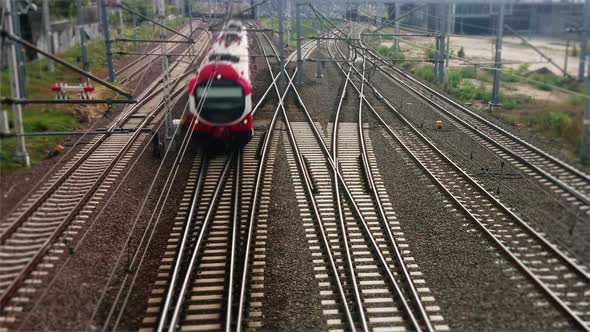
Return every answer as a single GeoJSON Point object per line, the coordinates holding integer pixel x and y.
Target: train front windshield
{"type": "Point", "coordinates": [223, 103]}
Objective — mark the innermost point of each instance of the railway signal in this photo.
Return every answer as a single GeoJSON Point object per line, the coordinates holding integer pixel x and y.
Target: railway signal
{"type": "Point", "coordinates": [63, 91]}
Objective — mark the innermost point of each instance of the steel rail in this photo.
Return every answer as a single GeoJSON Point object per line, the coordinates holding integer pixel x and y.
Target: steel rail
{"type": "Point", "coordinates": [256, 193]}
{"type": "Point", "coordinates": [340, 212]}
{"type": "Point", "coordinates": [584, 275]}
{"type": "Point", "coordinates": [378, 201]}
{"type": "Point", "coordinates": [580, 271]}
{"type": "Point", "coordinates": [176, 272]}
{"type": "Point", "coordinates": [175, 317]}
{"type": "Point", "coordinates": [577, 194]}
{"type": "Point", "coordinates": [48, 243]}
{"type": "Point", "coordinates": [308, 188]}
{"type": "Point", "coordinates": [234, 243]}
{"type": "Point", "coordinates": [145, 96]}
{"type": "Point", "coordinates": [164, 193]}
{"type": "Point", "coordinates": [136, 61]}
{"type": "Point", "coordinates": [186, 234]}
{"type": "Point", "coordinates": [13, 287]}
{"type": "Point", "coordinates": [355, 207]}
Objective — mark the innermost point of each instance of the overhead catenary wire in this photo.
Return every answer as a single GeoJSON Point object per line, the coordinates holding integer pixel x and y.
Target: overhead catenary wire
{"type": "Point", "coordinates": [165, 194]}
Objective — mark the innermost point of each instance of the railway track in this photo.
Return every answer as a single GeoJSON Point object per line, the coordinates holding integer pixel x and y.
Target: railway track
{"type": "Point", "coordinates": [355, 274]}
{"type": "Point", "coordinates": [560, 278]}
{"type": "Point", "coordinates": [40, 231]}
{"type": "Point", "coordinates": [214, 266]}
{"type": "Point", "coordinates": [567, 182]}
{"type": "Point", "coordinates": [205, 303]}
{"type": "Point", "coordinates": [141, 63]}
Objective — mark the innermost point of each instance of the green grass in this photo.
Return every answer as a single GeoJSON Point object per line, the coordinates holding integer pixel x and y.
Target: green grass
{"type": "Point", "coordinates": [559, 121]}
{"type": "Point", "coordinates": [388, 51]}
{"type": "Point", "coordinates": [58, 117]}
{"type": "Point", "coordinates": [308, 28]}
{"type": "Point", "coordinates": [39, 146]}
{"type": "Point", "coordinates": [555, 125]}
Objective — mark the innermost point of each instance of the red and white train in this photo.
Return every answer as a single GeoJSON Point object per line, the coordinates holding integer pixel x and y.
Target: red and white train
{"type": "Point", "coordinates": [220, 96]}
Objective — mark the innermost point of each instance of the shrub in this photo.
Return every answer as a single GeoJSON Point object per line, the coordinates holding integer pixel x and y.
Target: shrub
{"type": "Point", "coordinates": [425, 72]}
{"type": "Point", "coordinates": [555, 124]}
{"type": "Point", "coordinates": [461, 53]}
{"type": "Point", "coordinates": [575, 50]}
{"type": "Point", "coordinates": [481, 93]}
{"type": "Point", "coordinates": [511, 102]}
{"type": "Point", "coordinates": [468, 72]}
{"type": "Point", "coordinates": [429, 52]}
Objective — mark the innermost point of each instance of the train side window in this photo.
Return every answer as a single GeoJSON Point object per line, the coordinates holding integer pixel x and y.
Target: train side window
{"type": "Point", "coordinates": [224, 57]}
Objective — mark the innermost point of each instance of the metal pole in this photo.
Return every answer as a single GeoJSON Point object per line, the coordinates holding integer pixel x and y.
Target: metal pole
{"type": "Point", "coordinates": [435, 55]}
{"type": "Point", "coordinates": [20, 57]}
{"type": "Point", "coordinates": [107, 38]}
{"type": "Point", "coordinates": [448, 43]}
{"type": "Point", "coordinates": [288, 22]}
{"type": "Point", "coordinates": [15, 87]}
{"type": "Point", "coordinates": [82, 35]}
{"type": "Point", "coordinates": [443, 40]}
{"type": "Point", "coordinates": [318, 73]}
{"type": "Point", "coordinates": [166, 73]}
{"type": "Point", "coordinates": [48, 35]}
{"type": "Point", "coordinates": [190, 18]}
{"type": "Point", "coordinates": [586, 124]}
{"type": "Point", "coordinates": [281, 43]}
{"type": "Point", "coordinates": [134, 19]}
{"type": "Point", "coordinates": [567, 46]}
{"type": "Point", "coordinates": [4, 126]}
{"type": "Point", "coordinates": [584, 42]}
{"type": "Point", "coordinates": [397, 29]}
{"type": "Point", "coordinates": [298, 30]}
{"type": "Point", "coordinates": [120, 14]}
{"type": "Point", "coordinates": [500, 29]}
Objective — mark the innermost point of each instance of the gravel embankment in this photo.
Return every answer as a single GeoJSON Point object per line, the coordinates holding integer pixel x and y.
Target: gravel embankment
{"type": "Point", "coordinates": [291, 290]}
{"type": "Point", "coordinates": [466, 276]}
{"type": "Point", "coordinates": [545, 210]}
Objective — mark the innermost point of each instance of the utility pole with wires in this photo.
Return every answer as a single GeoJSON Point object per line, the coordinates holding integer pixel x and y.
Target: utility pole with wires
{"type": "Point", "coordinates": [281, 44]}
{"type": "Point", "coordinates": [498, 61]}
{"type": "Point", "coordinates": [586, 124]}
{"type": "Point", "coordinates": [441, 44]}
{"type": "Point", "coordinates": [318, 73]}
{"type": "Point", "coordinates": [134, 20]}
{"type": "Point", "coordinates": [288, 22]}
{"type": "Point", "coordinates": [16, 80]}
{"type": "Point", "coordinates": [189, 7]}
{"type": "Point", "coordinates": [209, 8]}
{"type": "Point", "coordinates": [450, 11]}
{"type": "Point", "coordinates": [166, 72]}
{"type": "Point", "coordinates": [120, 15]}
{"type": "Point", "coordinates": [298, 30]}
{"type": "Point", "coordinates": [397, 29]}
{"type": "Point", "coordinates": [104, 15]}
{"type": "Point", "coordinates": [585, 34]}
{"type": "Point", "coordinates": [48, 34]}
{"type": "Point", "coordinates": [82, 32]}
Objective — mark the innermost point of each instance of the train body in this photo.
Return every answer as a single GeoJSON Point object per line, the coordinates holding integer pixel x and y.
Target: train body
{"type": "Point", "coordinates": [220, 96]}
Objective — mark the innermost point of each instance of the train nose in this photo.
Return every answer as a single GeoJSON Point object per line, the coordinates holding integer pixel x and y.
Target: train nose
{"type": "Point", "coordinates": [218, 132]}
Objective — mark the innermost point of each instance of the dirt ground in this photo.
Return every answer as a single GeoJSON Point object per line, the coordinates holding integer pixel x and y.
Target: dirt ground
{"type": "Point", "coordinates": [480, 49]}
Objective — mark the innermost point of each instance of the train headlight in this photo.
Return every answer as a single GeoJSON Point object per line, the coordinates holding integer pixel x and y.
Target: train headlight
{"type": "Point", "coordinates": [218, 76]}
{"type": "Point", "coordinates": [244, 122]}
